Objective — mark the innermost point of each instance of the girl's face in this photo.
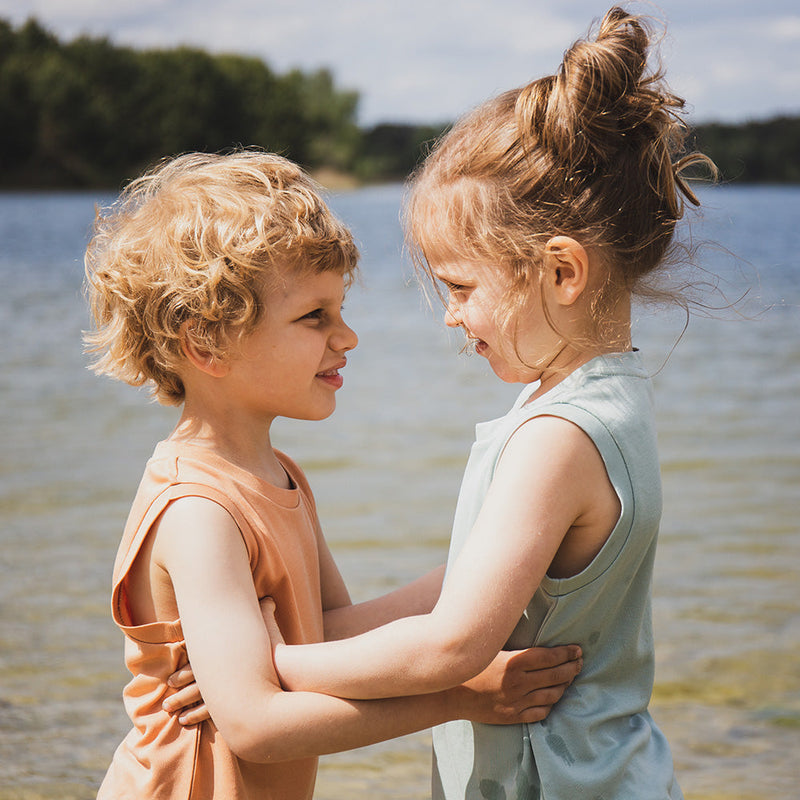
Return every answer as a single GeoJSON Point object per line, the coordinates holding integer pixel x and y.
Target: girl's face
{"type": "Point", "coordinates": [516, 353]}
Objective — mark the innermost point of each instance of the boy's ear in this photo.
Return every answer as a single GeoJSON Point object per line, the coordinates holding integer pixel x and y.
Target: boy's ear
{"type": "Point", "coordinates": [199, 357]}
{"type": "Point", "coordinates": [566, 265]}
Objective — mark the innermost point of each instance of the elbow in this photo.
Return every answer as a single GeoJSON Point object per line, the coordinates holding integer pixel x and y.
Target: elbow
{"type": "Point", "coordinates": [269, 733]}
{"type": "Point", "coordinates": [250, 735]}
{"type": "Point", "coordinates": [249, 745]}
{"type": "Point", "coordinates": [458, 659]}
{"type": "Point", "coordinates": [244, 743]}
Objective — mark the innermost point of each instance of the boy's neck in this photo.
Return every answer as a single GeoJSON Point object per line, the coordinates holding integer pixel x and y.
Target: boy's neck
{"type": "Point", "coordinates": [243, 442]}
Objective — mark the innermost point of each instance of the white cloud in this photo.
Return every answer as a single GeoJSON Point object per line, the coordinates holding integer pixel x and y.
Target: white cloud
{"type": "Point", "coordinates": [426, 60]}
{"type": "Point", "coordinates": [784, 29]}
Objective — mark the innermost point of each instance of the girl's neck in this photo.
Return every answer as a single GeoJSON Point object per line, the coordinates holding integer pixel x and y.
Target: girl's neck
{"type": "Point", "coordinates": [570, 357]}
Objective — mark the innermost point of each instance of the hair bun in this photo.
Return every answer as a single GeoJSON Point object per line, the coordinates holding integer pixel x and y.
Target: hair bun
{"type": "Point", "coordinates": [601, 95]}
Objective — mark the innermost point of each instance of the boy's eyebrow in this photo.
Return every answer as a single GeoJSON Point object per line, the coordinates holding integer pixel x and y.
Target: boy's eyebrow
{"type": "Point", "coordinates": [325, 300]}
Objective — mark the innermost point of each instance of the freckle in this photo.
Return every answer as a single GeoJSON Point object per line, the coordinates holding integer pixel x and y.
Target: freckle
{"type": "Point", "coordinates": [559, 747]}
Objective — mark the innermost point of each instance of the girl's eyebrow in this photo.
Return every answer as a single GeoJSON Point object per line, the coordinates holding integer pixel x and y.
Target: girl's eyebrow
{"type": "Point", "coordinates": [443, 274]}
{"type": "Point", "coordinates": [453, 280]}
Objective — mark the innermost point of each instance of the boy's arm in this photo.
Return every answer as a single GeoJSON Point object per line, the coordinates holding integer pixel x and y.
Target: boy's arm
{"type": "Point", "coordinates": [531, 505]}
{"type": "Point", "coordinates": [418, 597]}
{"type": "Point", "coordinates": [199, 546]}
{"type": "Point", "coordinates": [518, 686]}
{"type": "Point", "coordinates": [342, 619]}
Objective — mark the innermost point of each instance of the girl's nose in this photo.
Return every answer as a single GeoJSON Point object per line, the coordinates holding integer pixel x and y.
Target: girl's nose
{"type": "Point", "coordinates": [452, 314]}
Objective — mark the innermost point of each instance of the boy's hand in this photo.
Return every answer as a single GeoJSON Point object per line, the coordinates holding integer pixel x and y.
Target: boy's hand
{"type": "Point", "coordinates": [187, 703]}
{"type": "Point", "coordinates": [519, 686]}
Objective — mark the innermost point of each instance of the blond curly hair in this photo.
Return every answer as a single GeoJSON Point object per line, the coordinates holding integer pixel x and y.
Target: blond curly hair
{"type": "Point", "coordinates": [189, 248]}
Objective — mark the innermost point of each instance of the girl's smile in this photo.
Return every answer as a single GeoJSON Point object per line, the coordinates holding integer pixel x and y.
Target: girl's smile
{"type": "Point", "coordinates": [475, 297]}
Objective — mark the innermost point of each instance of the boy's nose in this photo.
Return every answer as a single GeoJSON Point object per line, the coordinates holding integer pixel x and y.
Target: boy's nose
{"type": "Point", "coordinates": [347, 338]}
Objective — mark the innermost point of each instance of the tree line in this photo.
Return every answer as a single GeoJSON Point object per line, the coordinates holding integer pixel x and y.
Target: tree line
{"type": "Point", "coordinates": [88, 113]}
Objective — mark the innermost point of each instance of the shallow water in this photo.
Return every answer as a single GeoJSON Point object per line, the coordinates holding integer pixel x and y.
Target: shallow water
{"type": "Point", "coordinates": [386, 469]}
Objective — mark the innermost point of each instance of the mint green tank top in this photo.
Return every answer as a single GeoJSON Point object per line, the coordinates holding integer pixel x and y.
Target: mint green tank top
{"type": "Point", "coordinates": [599, 742]}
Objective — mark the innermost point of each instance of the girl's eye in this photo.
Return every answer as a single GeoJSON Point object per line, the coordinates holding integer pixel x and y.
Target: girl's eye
{"type": "Point", "coordinates": [316, 314]}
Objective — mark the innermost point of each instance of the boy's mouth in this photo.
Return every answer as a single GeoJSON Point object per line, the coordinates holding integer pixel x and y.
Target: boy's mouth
{"type": "Point", "coordinates": [331, 376]}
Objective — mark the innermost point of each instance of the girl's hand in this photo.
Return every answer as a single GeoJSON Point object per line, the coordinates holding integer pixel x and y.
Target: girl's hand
{"type": "Point", "coordinates": [187, 703]}
{"type": "Point", "coordinates": [518, 686]}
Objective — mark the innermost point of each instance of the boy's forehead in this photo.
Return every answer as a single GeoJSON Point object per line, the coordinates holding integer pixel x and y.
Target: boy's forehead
{"type": "Point", "coordinates": [298, 283]}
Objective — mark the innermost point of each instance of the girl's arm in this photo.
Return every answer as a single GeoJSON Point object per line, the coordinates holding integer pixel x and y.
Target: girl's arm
{"type": "Point", "coordinates": [525, 682]}
{"type": "Point", "coordinates": [533, 504]}
{"type": "Point", "coordinates": [200, 550]}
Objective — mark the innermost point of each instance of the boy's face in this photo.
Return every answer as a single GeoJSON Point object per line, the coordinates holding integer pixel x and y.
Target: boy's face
{"type": "Point", "coordinates": [289, 365]}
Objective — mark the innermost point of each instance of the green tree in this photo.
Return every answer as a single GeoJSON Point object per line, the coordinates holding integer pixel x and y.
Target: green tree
{"type": "Point", "coordinates": [765, 151]}
{"type": "Point", "coordinates": [270, 111]}
{"type": "Point", "coordinates": [21, 52]}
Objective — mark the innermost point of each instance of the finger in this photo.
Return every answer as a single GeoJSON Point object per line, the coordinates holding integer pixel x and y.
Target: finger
{"type": "Point", "coordinates": [181, 677]}
{"type": "Point", "coordinates": [544, 697]}
{"type": "Point", "coordinates": [576, 668]}
{"type": "Point", "coordinates": [531, 680]}
{"type": "Point", "coordinates": [537, 705]}
{"type": "Point", "coordinates": [268, 609]}
{"type": "Point", "coordinates": [536, 658]}
{"type": "Point", "coordinates": [194, 715]}
{"type": "Point", "coordinates": [534, 714]}
{"type": "Point", "coordinates": [562, 674]}
{"type": "Point", "coordinates": [267, 606]}
{"type": "Point", "coordinates": [182, 699]}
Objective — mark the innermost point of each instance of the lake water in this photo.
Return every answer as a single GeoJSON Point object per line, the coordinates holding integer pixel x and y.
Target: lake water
{"type": "Point", "coordinates": [386, 470]}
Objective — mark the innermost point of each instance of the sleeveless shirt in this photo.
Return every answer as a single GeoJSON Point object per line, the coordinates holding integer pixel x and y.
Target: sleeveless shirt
{"type": "Point", "coordinates": [599, 742]}
{"type": "Point", "coordinates": [159, 759]}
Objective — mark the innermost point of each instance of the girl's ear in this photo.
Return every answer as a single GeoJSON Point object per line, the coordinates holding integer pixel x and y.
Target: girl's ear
{"type": "Point", "coordinates": [566, 269]}
{"type": "Point", "coordinates": [199, 357]}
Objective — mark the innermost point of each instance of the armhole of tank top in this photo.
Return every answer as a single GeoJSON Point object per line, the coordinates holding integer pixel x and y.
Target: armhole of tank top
{"type": "Point", "coordinates": [154, 511]}
{"type": "Point", "coordinates": [618, 475]}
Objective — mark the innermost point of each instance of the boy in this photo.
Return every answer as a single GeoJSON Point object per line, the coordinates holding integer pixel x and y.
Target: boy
{"type": "Point", "coordinates": [219, 281]}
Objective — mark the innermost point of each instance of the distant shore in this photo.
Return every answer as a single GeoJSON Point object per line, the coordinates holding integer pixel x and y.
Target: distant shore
{"type": "Point", "coordinates": [88, 114]}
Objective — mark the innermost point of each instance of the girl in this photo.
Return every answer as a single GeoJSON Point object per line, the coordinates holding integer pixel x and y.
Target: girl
{"type": "Point", "coordinates": [539, 216]}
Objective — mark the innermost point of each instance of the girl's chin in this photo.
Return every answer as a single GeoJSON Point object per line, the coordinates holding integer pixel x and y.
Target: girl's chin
{"type": "Point", "coordinates": [509, 375]}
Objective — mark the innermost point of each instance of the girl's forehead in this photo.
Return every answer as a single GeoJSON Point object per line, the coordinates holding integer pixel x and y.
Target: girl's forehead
{"type": "Point", "coordinates": [455, 270]}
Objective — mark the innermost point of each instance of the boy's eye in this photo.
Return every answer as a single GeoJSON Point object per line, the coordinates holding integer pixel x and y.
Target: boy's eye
{"type": "Point", "coordinates": [316, 314]}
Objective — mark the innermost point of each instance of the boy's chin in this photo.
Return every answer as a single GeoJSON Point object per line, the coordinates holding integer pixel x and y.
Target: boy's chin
{"type": "Point", "coordinates": [315, 416]}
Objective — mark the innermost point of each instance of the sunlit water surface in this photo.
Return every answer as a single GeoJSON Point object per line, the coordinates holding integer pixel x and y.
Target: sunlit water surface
{"type": "Point", "coordinates": [386, 470]}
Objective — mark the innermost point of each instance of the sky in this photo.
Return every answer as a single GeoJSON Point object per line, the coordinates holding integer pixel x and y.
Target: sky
{"type": "Point", "coordinates": [429, 61]}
